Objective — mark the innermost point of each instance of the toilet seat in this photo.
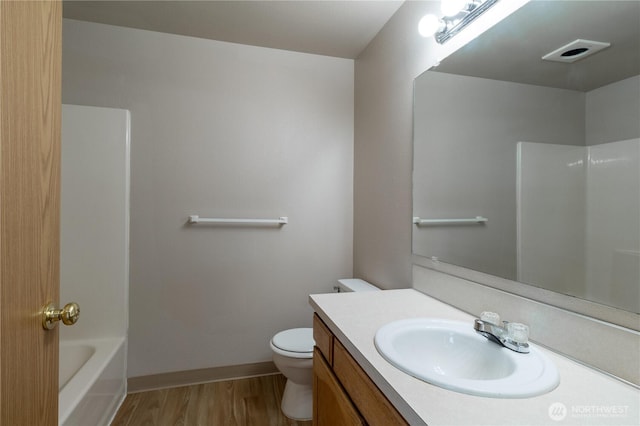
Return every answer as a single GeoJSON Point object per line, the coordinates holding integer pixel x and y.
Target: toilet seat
{"type": "Point", "coordinates": [294, 343]}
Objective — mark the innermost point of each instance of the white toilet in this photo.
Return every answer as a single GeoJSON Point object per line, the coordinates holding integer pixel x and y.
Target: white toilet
{"type": "Point", "coordinates": [293, 356]}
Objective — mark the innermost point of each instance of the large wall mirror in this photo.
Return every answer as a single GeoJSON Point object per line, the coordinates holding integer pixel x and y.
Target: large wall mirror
{"type": "Point", "coordinates": [541, 157]}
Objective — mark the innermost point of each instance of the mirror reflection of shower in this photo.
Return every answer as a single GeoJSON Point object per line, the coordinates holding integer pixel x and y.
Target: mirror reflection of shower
{"type": "Point", "coordinates": [584, 201]}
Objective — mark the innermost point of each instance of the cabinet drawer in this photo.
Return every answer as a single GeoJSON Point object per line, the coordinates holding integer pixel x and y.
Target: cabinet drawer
{"type": "Point", "coordinates": [374, 406]}
{"type": "Point", "coordinates": [324, 338]}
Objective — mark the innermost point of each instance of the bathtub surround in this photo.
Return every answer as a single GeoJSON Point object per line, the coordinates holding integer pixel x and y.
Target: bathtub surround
{"type": "Point", "coordinates": [94, 223]}
{"type": "Point", "coordinates": [222, 130]}
{"type": "Point", "coordinates": [94, 262]}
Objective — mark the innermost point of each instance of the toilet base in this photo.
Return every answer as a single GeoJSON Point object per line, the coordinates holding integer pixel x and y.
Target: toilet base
{"type": "Point", "coordinates": [297, 401]}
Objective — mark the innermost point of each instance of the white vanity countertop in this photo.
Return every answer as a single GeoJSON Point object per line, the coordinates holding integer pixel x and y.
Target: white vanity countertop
{"type": "Point", "coordinates": [587, 396]}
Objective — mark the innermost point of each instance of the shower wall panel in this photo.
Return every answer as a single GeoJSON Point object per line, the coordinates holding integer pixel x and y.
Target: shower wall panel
{"type": "Point", "coordinates": [551, 220]}
{"type": "Point", "coordinates": [613, 224]}
{"type": "Point", "coordinates": [94, 242]}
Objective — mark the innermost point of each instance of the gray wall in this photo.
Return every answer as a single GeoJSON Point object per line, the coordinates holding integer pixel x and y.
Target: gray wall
{"type": "Point", "coordinates": [222, 130]}
{"type": "Point", "coordinates": [383, 147]}
{"type": "Point", "coordinates": [612, 112]}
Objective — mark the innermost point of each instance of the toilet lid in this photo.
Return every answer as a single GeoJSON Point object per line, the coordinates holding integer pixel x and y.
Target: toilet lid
{"type": "Point", "coordinates": [295, 340]}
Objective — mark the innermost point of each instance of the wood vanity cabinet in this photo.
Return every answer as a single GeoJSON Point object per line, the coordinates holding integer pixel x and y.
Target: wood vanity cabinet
{"type": "Point", "coordinates": [343, 394]}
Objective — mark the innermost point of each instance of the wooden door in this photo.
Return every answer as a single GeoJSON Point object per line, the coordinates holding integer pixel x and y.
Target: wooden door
{"type": "Point", "coordinates": [30, 105]}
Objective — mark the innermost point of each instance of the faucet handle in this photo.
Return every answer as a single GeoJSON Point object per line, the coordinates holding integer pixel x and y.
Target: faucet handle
{"type": "Point", "coordinates": [490, 317]}
{"type": "Point", "coordinates": [518, 333]}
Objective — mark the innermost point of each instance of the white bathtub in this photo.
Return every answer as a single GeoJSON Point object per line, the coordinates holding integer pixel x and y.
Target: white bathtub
{"type": "Point", "coordinates": [92, 381]}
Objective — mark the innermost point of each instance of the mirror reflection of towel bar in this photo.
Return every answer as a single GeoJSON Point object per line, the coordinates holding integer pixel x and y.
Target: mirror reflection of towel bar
{"type": "Point", "coordinates": [280, 221]}
{"type": "Point", "coordinates": [477, 219]}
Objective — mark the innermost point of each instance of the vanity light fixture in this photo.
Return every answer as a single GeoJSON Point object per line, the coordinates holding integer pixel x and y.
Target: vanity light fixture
{"type": "Point", "coordinates": [457, 14]}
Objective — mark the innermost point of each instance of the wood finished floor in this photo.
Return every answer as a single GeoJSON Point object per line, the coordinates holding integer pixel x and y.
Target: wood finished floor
{"type": "Point", "coordinates": [248, 402]}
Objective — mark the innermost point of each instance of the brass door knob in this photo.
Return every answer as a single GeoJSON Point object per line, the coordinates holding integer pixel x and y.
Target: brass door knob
{"type": "Point", "coordinates": [68, 315]}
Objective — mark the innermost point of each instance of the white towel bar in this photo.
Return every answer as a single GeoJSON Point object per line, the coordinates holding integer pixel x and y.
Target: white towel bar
{"type": "Point", "coordinates": [477, 219]}
{"type": "Point", "coordinates": [280, 221]}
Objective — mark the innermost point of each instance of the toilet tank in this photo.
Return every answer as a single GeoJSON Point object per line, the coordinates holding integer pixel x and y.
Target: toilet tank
{"type": "Point", "coordinates": [354, 284]}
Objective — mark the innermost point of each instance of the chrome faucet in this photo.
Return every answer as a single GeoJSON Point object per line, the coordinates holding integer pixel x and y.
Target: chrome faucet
{"type": "Point", "coordinates": [511, 335]}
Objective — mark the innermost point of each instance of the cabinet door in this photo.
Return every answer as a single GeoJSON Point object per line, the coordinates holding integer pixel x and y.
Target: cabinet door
{"type": "Point", "coordinates": [331, 405]}
{"type": "Point", "coordinates": [371, 402]}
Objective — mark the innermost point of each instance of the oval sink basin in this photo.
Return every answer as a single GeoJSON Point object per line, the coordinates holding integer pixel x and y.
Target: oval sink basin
{"type": "Point", "coordinates": [450, 354]}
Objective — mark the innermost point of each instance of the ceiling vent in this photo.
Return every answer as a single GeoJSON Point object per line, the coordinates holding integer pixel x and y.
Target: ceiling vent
{"type": "Point", "coordinates": [576, 50]}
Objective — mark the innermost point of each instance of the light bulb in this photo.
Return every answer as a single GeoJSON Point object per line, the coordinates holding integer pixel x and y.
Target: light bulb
{"type": "Point", "coordinates": [429, 25]}
{"type": "Point", "coordinates": [452, 7]}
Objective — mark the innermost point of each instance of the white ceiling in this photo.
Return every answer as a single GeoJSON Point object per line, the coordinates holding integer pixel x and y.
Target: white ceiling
{"type": "Point", "coordinates": [324, 27]}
